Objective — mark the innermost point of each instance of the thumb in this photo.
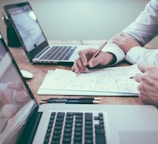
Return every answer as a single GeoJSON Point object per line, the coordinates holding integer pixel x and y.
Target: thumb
{"type": "Point", "coordinates": [93, 62]}
{"type": "Point", "coordinates": [137, 77]}
{"type": "Point", "coordinates": [143, 67]}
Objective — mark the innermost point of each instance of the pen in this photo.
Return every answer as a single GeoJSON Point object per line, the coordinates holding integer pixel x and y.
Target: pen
{"type": "Point", "coordinates": [95, 54]}
{"type": "Point", "coordinates": [46, 99]}
{"type": "Point", "coordinates": [131, 77]}
{"type": "Point", "coordinates": [71, 102]}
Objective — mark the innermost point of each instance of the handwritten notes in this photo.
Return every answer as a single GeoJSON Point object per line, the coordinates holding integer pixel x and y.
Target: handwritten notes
{"type": "Point", "coordinates": [114, 79]}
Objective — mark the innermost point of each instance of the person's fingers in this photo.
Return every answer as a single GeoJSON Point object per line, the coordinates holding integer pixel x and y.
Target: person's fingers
{"type": "Point", "coordinates": [102, 59]}
{"type": "Point", "coordinates": [143, 67]}
{"type": "Point", "coordinates": [8, 111]}
{"type": "Point", "coordinates": [137, 77]}
{"type": "Point", "coordinates": [80, 61]}
{"type": "Point", "coordinates": [148, 99]}
{"type": "Point", "coordinates": [15, 85]}
{"type": "Point", "coordinates": [77, 65]}
{"type": "Point", "coordinates": [86, 54]}
{"type": "Point", "coordinates": [143, 97]}
{"type": "Point", "coordinates": [82, 57]}
{"type": "Point", "coordinates": [74, 67]}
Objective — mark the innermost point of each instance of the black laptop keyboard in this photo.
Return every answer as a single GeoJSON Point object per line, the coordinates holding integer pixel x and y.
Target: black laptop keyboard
{"type": "Point", "coordinates": [75, 128]}
{"type": "Point", "coordinates": [59, 53]}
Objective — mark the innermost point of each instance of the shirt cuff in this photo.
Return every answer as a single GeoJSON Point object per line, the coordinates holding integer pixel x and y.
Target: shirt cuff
{"type": "Point", "coordinates": [133, 55]}
{"type": "Point", "coordinates": [140, 55]}
{"type": "Point", "coordinates": [115, 50]}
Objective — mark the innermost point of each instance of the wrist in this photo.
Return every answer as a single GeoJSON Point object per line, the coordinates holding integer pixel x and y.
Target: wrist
{"type": "Point", "coordinates": [116, 52]}
{"type": "Point", "coordinates": [112, 58]}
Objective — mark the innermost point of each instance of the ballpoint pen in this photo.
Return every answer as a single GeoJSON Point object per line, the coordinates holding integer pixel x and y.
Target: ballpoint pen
{"type": "Point", "coordinates": [72, 100]}
{"type": "Point", "coordinates": [131, 77]}
{"type": "Point", "coordinates": [93, 98]}
{"type": "Point", "coordinates": [95, 54]}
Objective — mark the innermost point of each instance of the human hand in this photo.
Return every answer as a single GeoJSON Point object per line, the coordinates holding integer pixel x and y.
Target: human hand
{"type": "Point", "coordinates": [102, 59]}
{"type": "Point", "coordinates": [124, 41]}
{"type": "Point", "coordinates": [148, 83]}
{"type": "Point", "coordinates": [16, 93]}
{"type": "Point", "coordinates": [8, 111]}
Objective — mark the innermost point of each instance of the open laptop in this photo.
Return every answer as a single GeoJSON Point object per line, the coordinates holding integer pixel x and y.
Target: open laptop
{"type": "Point", "coordinates": [33, 40]}
{"type": "Point", "coordinates": [22, 120]}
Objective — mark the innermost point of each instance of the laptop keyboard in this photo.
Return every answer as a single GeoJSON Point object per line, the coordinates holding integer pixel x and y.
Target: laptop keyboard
{"type": "Point", "coordinates": [59, 53]}
{"type": "Point", "coordinates": [75, 128]}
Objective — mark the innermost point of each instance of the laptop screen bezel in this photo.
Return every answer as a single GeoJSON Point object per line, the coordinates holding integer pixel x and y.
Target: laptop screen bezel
{"type": "Point", "coordinates": [38, 48]}
{"type": "Point", "coordinates": [35, 106]}
{"type": "Point", "coordinates": [16, 67]}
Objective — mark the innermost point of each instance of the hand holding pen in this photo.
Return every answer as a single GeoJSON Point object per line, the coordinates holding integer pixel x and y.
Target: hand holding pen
{"type": "Point", "coordinates": [91, 57]}
{"type": "Point", "coordinates": [94, 55]}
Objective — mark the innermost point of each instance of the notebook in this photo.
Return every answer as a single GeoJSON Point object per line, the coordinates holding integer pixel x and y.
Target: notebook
{"type": "Point", "coordinates": [22, 120]}
{"type": "Point", "coordinates": [33, 40]}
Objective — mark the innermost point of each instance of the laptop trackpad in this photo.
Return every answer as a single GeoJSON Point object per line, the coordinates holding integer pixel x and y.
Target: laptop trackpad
{"type": "Point", "coordinates": [138, 137]}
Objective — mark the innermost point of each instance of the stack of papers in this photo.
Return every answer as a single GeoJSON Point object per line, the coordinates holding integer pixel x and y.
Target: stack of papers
{"type": "Point", "coordinates": [113, 81]}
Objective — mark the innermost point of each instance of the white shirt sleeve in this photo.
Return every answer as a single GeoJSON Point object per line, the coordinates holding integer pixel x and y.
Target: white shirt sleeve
{"type": "Point", "coordinates": [140, 55]}
{"type": "Point", "coordinates": [115, 50]}
{"type": "Point", "coordinates": [145, 27]}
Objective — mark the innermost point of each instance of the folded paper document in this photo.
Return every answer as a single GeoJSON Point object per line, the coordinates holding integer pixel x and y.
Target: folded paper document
{"type": "Point", "coordinates": [106, 81]}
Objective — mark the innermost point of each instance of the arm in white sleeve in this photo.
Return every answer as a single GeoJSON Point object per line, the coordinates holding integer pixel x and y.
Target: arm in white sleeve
{"type": "Point", "coordinates": [140, 55]}
{"type": "Point", "coordinates": [145, 27]}
{"type": "Point", "coordinates": [115, 50]}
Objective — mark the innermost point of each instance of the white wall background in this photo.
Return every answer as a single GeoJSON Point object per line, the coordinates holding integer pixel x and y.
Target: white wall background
{"type": "Point", "coordinates": [82, 19]}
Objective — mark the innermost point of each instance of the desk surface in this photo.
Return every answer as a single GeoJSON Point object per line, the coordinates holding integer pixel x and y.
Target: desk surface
{"type": "Point", "coordinates": [39, 72]}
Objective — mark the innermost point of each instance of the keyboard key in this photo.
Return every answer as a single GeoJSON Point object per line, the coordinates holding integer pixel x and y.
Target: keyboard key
{"type": "Point", "coordinates": [76, 128]}
{"type": "Point", "coordinates": [59, 53]}
{"type": "Point", "coordinates": [88, 141]}
{"type": "Point", "coordinates": [88, 116]}
{"type": "Point", "coordinates": [100, 139]}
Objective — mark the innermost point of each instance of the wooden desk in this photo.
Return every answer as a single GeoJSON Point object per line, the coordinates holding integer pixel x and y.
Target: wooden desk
{"type": "Point", "coordinates": [39, 72]}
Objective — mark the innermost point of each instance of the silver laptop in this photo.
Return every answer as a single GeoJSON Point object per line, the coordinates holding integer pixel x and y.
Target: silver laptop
{"type": "Point", "coordinates": [33, 40]}
{"type": "Point", "coordinates": [22, 120]}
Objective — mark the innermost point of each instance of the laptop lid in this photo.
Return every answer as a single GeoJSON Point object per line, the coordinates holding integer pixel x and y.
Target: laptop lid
{"type": "Point", "coordinates": [27, 27]}
{"type": "Point", "coordinates": [17, 103]}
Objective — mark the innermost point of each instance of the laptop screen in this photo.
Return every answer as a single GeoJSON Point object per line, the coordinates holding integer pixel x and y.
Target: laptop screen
{"type": "Point", "coordinates": [16, 101]}
{"type": "Point", "coordinates": [26, 24]}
